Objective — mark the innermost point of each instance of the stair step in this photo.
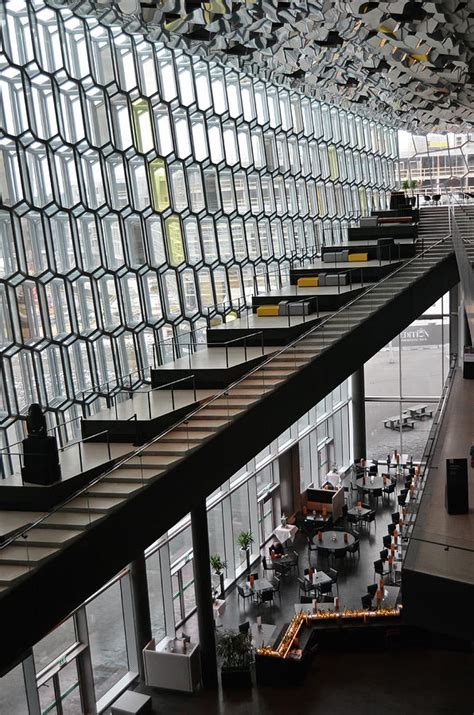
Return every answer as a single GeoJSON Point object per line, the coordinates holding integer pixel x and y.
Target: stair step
{"type": "Point", "coordinates": [148, 460]}
{"type": "Point", "coordinates": [9, 573]}
{"type": "Point", "coordinates": [109, 488]}
{"type": "Point", "coordinates": [19, 554]}
{"type": "Point", "coordinates": [64, 519]}
{"type": "Point", "coordinates": [51, 537]}
{"type": "Point", "coordinates": [101, 505]}
{"type": "Point", "coordinates": [133, 474]}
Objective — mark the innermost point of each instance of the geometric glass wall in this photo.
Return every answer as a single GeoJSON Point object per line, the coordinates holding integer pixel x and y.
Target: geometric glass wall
{"type": "Point", "coordinates": [143, 190]}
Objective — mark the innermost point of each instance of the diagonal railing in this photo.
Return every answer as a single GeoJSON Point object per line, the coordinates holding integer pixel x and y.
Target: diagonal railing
{"type": "Point", "coordinates": [227, 391]}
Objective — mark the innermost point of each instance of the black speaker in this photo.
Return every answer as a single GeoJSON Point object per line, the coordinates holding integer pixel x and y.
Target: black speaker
{"type": "Point", "coordinates": [41, 460]}
{"type": "Point", "coordinates": [457, 490]}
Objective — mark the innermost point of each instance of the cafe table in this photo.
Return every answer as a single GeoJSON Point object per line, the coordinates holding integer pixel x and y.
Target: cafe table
{"type": "Point", "coordinates": [370, 483]}
{"type": "Point", "coordinates": [332, 540]}
{"type": "Point", "coordinates": [263, 634]}
{"type": "Point", "coordinates": [318, 578]}
{"type": "Point", "coordinates": [283, 533]}
{"type": "Point", "coordinates": [260, 584]}
{"type": "Point", "coordinates": [359, 513]}
{"type": "Point", "coordinates": [389, 598]}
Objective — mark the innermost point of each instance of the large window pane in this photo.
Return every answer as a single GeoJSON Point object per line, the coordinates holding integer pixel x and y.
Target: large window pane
{"type": "Point", "coordinates": [107, 639]}
{"type": "Point", "coordinates": [12, 693]}
{"type": "Point", "coordinates": [155, 592]}
{"type": "Point", "coordinates": [240, 519]}
{"type": "Point", "coordinates": [55, 643]}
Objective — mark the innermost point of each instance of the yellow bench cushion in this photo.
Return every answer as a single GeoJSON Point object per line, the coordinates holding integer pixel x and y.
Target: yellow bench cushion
{"type": "Point", "coordinates": [267, 310]}
{"type": "Point", "coordinates": [358, 256]}
{"type": "Point", "coordinates": [308, 282]}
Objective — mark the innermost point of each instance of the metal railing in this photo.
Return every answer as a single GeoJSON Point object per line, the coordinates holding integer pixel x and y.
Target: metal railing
{"type": "Point", "coordinates": [166, 386]}
{"type": "Point", "coordinates": [430, 447]}
{"type": "Point", "coordinates": [224, 393]}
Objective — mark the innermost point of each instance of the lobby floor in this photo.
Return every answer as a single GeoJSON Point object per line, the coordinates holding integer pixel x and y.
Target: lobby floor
{"type": "Point", "coordinates": [400, 679]}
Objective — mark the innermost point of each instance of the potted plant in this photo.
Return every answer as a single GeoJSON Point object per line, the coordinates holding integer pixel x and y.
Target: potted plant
{"type": "Point", "coordinates": [245, 541]}
{"type": "Point", "coordinates": [218, 565]}
{"type": "Point", "coordinates": [235, 649]}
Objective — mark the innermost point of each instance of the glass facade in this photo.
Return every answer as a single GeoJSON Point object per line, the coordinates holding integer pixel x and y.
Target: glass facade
{"type": "Point", "coordinates": [409, 371]}
{"type": "Point", "coordinates": [142, 190]}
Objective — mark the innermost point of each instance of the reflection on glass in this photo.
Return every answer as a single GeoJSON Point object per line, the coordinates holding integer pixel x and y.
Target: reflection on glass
{"type": "Point", "coordinates": [159, 185]}
{"type": "Point", "coordinates": [174, 240]}
{"type": "Point", "coordinates": [142, 130]}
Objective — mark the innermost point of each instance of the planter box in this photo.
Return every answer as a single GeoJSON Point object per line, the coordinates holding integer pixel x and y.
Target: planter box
{"type": "Point", "coordinates": [235, 678]}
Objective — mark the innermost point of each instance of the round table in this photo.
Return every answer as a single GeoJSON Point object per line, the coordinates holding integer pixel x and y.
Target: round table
{"type": "Point", "coordinates": [378, 483]}
{"type": "Point", "coordinates": [333, 540]}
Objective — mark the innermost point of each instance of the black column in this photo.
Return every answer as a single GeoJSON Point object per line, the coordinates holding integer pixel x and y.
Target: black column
{"type": "Point", "coordinates": [359, 439]}
{"type": "Point", "coordinates": [141, 607]}
{"type": "Point", "coordinates": [203, 592]}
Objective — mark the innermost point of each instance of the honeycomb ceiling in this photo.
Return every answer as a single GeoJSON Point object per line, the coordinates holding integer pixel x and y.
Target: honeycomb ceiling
{"type": "Point", "coordinates": [412, 62]}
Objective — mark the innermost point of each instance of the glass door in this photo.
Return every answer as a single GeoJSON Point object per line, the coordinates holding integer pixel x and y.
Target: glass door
{"type": "Point", "coordinates": [60, 694]}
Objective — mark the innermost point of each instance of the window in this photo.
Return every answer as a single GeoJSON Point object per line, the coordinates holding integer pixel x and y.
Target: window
{"type": "Point", "coordinates": [107, 639]}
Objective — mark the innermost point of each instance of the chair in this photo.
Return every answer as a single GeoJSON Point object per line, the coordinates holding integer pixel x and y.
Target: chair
{"type": "Point", "coordinates": [266, 596]}
{"type": "Point", "coordinates": [391, 528]}
{"type": "Point", "coordinates": [244, 592]}
{"type": "Point", "coordinates": [294, 556]}
{"type": "Point", "coordinates": [354, 548]}
{"type": "Point", "coordinates": [325, 588]}
{"type": "Point", "coordinates": [369, 518]}
{"type": "Point", "coordinates": [389, 490]}
{"type": "Point", "coordinates": [276, 583]}
{"type": "Point", "coordinates": [334, 575]}
{"type": "Point", "coordinates": [306, 599]}
{"type": "Point", "coordinates": [377, 494]}
{"type": "Point", "coordinates": [366, 601]}
{"type": "Point", "coordinates": [378, 568]}
{"type": "Point", "coordinates": [244, 627]}
{"type": "Point", "coordinates": [372, 590]}
{"type": "Point", "coordinates": [395, 517]}
{"type": "Point", "coordinates": [387, 540]}
{"type": "Point", "coordinates": [384, 555]}
{"type": "Point", "coordinates": [265, 565]}
{"type": "Point", "coordinates": [373, 469]}
{"type": "Point", "coordinates": [282, 569]}
{"type": "Point", "coordinates": [305, 585]}
{"type": "Point", "coordinates": [311, 547]}
{"type": "Point", "coordinates": [340, 554]}
{"type": "Point", "coordinates": [352, 519]}
{"type": "Point", "coordinates": [402, 498]}
{"type": "Point", "coordinates": [427, 198]}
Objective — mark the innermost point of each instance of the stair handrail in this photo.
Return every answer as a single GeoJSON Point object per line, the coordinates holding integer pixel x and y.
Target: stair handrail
{"type": "Point", "coordinates": [205, 403]}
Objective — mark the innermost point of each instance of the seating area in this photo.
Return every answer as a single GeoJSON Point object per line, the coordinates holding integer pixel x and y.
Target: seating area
{"type": "Point", "coordinates": [408, 418]}
{"type": "Point", "coordinates": [326, 563]}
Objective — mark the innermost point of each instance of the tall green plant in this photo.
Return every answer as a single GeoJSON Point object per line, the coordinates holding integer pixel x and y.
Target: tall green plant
{"type": "Point", "coordinates": [245, 540]}
{"type": "Point", "coordinates": [217, 564]}
{"type": "Point", "coordinates": [235, 649]}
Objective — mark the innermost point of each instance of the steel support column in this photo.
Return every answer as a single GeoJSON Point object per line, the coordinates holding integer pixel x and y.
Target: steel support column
{"type": "Point", "coordinates": [359, 439]}
{"type": "Point", "coordinates": [203, 591]}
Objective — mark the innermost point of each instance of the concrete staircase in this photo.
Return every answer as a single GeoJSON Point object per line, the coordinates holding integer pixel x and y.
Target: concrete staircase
{"type": "Point", "coordinates": [135, 473]}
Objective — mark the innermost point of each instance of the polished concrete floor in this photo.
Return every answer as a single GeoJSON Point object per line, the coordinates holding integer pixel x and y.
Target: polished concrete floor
{"type": "Point", "coordinates": [415, 681]}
